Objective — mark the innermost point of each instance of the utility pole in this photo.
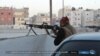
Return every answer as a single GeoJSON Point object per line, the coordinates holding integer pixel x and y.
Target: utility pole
{"type": "Point", "coordinates": [51, 12]}
{"type": "Point", "coordinates": [63, 8]}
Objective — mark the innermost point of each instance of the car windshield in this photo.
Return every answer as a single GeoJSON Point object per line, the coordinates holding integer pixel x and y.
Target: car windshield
{"type": "Point", "coordinates": [78, 48]}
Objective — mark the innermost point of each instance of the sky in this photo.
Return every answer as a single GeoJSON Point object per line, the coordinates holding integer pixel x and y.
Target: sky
{"type": "Point", "coordinates": [42, 6]}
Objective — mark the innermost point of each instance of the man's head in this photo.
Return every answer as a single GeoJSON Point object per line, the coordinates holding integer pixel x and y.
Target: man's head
{"type": "Point", "coordinates": [64, 21]}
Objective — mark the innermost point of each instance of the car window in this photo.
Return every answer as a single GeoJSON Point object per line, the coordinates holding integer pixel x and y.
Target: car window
{"type": "Point", "coordinates": [87, 48]}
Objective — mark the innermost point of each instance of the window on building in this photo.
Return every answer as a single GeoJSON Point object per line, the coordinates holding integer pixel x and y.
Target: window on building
{"type": "Point", "coordinates": [75, 14]}
{"type": "Point", "coordinates": [98, 15]}
{"type": "Point", "coordinates": [22, 19]}
{"type": "Point", "coordinates": [9, 13]}
{"type": "Point", "coordinates": [79, 24]}
{"type": "Point", "coordinates": [75, 18]}
{"type": "Point", "coordinates": [87, 14]}
{"type": "Point", "coordinates": [74, 23]}
{"type": "Point", "coordinates": [22, 23]}
{"type": "Point", "coordinates": [42, 15]}
{"type": "Point", "coordinates": [2, 13]}
{"type": "Point", "coordinates": [68, 14]}
{"type": "Point", "coordinates": [46, 19]}
{"type": "Point", "coordinates": [18, 19]}
{"type": "Point", "coordinates": [78, 18]}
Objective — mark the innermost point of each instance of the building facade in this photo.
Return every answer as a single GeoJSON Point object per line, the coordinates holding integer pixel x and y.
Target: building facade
{"type": "Point", "coordinates": [44, 17]}
{"type": "Point", "coordinates": [19, 16]}
{"type": "Point", "coordinates": [88, 18]}
{"type": "Point", "coordinates": [81, 18]}
{"type": "Point", "coordinates": [6, 16]}
{"type": "Point", "coordinates": [74, 15]}
{"type": "Point", "coordinates": [97, 17]}
{"type": "Point", "coordinates": [75, 18]}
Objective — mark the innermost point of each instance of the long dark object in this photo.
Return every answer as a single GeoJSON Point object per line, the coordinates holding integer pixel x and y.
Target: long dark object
{"type": "Point", "coordinates": [44, 26]}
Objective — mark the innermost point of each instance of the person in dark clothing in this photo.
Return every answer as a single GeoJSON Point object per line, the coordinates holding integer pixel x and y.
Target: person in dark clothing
{"type": "Point", "coordinates": [64, 31]}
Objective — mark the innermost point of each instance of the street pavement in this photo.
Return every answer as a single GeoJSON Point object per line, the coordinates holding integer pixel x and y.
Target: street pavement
{"type": "Point", "coordinates": [41, 45]}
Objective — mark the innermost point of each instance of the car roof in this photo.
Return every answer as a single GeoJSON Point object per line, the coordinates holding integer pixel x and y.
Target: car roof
{"type": "Point", "coordinates": [84, 36]}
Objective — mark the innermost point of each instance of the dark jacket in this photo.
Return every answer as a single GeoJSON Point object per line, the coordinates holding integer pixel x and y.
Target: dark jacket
{"type": "Point", "coordinates": [63, 33]}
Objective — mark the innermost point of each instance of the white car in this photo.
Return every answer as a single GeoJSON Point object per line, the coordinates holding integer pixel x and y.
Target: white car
{"type": "Point", "coordinates": [85, 44]}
